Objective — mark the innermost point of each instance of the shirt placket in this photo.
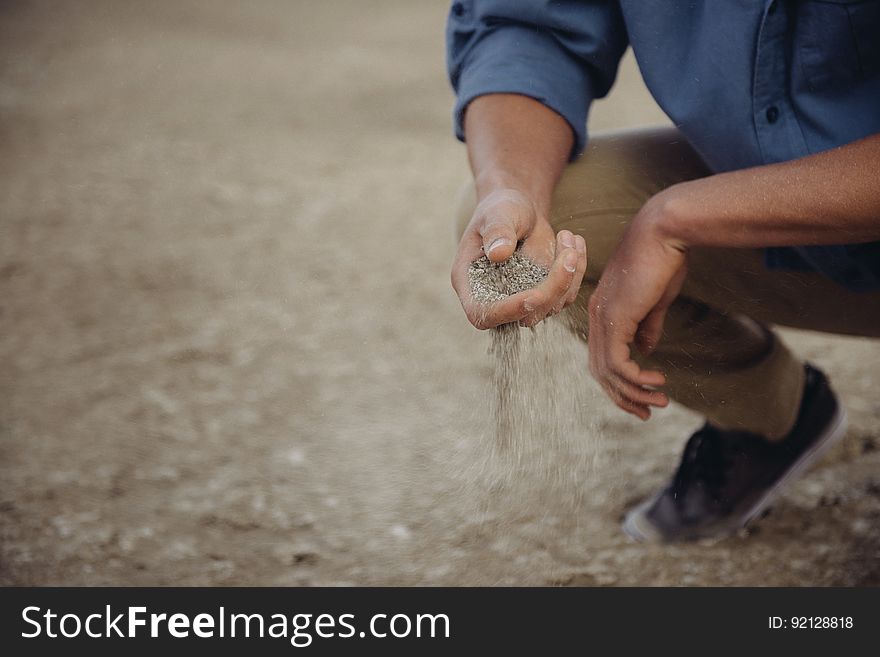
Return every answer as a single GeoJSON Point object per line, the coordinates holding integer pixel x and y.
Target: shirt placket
{"type": "Point", "coordinates": [777, 129]}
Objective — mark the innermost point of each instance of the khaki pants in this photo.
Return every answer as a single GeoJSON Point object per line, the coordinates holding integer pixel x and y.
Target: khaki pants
{"type": "Point", "coordinates": [718, 352]}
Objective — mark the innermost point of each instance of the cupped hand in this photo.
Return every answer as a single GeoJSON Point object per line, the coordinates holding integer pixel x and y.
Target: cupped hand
{"type": "Point", "coordinates": [501, 220]}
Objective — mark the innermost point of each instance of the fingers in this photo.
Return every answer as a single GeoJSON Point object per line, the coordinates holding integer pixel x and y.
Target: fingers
{"type": "Point", "coordinates": [567, 240]}
{"type": "Point", "coordinates": [512, 309]}
{"type": "Point", "coordinates": [624, 381]}
{"type": "Point", "coordinates": [625, 396]}
{"type": "Point", "coordinates": [611, 356]}
{"type": "Point", "coordinates": [627, 309]}
{"type": "Point", "coordinates": [640, 395]}
{"type": "Point", "coordinates": [497, 238]}
{"type": "Point", "coordinates": [628, 370]}
{"type": "Point", "coordinates": [554, 289]}
{"type": "Point", "coordinates": [650, 330]}
{"type": "Point", "coordinates": [468, 251]}
{"type": "Point", "coordinates": [561, 289]}
{"type": "Point", "coordinates": [641, 411]}
{"type": "Point", "coordinates": [621, 387]}
{"type": "Point", "coordinates": [581, 247]}
{"type": "Point", "coordinates": [530, 306]}
{"type": "Point", "coordinates": [631, 398]}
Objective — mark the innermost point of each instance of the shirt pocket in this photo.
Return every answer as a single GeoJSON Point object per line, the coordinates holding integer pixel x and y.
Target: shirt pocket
{"type": "Point", "coordinates": [836, 41]}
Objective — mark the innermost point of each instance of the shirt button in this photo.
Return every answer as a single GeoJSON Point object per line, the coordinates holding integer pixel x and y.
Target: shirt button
{"type": "Point", "coordinates": [772, 114]}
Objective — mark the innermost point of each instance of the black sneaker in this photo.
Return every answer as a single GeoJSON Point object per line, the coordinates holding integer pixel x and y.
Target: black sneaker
{"type": "Point", "coordinates": [726, 478]}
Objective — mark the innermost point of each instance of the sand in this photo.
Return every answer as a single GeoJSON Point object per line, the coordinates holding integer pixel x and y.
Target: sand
{"type": "Point", "coordinates": [494, 281]}
{"type": "Point", "coordinates": [542, 439]}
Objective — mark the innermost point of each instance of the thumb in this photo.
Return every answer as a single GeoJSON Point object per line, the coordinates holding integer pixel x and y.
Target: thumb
{"type": "Point", "coordinates": [651, 328]}
{"type": "Point", "coordinates": [499, 240]}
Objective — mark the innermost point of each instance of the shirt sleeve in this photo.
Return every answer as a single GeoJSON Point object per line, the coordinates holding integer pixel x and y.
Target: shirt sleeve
{"type": "Point", "coordinates": [563, 54]}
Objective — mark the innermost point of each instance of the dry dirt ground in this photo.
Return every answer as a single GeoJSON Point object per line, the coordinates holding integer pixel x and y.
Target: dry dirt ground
{"type": "Point", "coordinates": [230, 353]}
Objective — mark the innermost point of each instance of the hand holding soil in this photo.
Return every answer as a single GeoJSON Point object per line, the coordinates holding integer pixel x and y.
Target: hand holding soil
{"type": "Point", "coordinates": [503, 220]}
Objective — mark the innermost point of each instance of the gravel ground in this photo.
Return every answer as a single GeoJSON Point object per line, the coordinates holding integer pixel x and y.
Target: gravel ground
{"type": "Point", "coordinates": [230, 352]}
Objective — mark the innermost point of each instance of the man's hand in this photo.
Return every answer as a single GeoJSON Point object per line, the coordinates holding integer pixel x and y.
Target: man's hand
{"type": "Point", "coordinates": [640, 281]}
{"type": "Point", "coordinates": [827, 198]}
{"type": "Point", "coordinates": [517, 148]}
{"type": "Point", "coordinates": [503, 218]}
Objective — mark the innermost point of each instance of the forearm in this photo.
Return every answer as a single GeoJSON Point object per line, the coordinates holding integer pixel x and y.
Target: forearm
{"type": "Point", "coordinates": [518, 149]}
{"type": "Point", "coordinates": [827, 198]}
{"type": "Point", "coordinates": [515, 142]}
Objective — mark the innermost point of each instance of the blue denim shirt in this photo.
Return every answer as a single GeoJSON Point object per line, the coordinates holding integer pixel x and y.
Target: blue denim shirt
{"type": "Point", "coordinates": [748, 82]}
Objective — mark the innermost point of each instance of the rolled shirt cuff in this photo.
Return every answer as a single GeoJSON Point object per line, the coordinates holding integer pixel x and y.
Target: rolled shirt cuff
{"type": "Point", "coordinates": [514, 60]}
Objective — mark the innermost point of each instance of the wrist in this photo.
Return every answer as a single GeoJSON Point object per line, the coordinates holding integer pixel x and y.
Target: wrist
{"type": "Point", "coordinates": [666, 216]}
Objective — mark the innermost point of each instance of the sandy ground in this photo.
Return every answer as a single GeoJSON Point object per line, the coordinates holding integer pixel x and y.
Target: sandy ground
{"type": "Point", "coordinates": [230, 353]}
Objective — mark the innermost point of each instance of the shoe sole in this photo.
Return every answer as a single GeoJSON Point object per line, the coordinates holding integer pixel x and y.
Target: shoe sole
{"type": "Point", "coordinates": [637, 527]}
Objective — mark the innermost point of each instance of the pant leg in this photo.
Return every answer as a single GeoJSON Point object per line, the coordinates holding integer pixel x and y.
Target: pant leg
{"type": "Point", "coordinates": [718, 354]}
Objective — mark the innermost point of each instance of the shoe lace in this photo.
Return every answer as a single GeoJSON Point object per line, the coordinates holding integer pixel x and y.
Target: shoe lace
{"type": "Point", "coordinates": [705, 460]}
